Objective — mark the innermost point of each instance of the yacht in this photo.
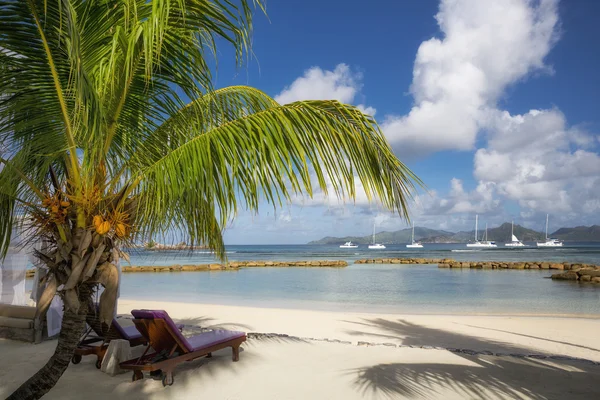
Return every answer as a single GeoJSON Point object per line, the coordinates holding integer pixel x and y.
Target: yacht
{"type": "Point", "coordinates": [413, 244]}
{"type": "Point", "coordinates": [550, 242]}
{"type": "Point", "coordinates": [514, 241]}
{"type": "Point", "coordinates": [348, 245]}
{"type": "Point", "coordinates": [375, 246]}
{"type": "Point", "coordinates": [484, 243]}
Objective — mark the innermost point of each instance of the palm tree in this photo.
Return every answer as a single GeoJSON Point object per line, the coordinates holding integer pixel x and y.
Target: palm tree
{"type": "Point", "coordinates": [113, 133]}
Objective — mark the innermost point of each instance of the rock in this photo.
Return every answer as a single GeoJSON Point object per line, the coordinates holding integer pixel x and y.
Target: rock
{"type": "Point", "coordinates": [545, 265]}
{"type": "Point", "coordinates": [596, 279]}
{"type": "Point", "coordinates": [585, 278]}
{"type": "Point", "coordinates": [566, 276]}
{"type": "Point", "coordinates": [518, 265]}
{"type": "Point", "coordinates": [588, 271]}
{"type": "Point", "coordinates": [215, 266]}
{"type": "Point", "coordinates": [557, 266]}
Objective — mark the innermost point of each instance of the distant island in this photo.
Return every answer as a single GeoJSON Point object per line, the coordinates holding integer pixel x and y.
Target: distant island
{"type": "Point", "coordinates": [498, 234]}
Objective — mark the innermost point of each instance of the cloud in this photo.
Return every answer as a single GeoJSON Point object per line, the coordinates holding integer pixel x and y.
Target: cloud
{"type": "Point", "coordinates": [485, 47]}
{"type": "Point", "coordinates": [341, 84]}
{"type": "Point", "coordinates": [535, 160]}
{"type": "Point", "coordinates": [329, 199]}
{"type": "Point", "coordinates": [481, 200]}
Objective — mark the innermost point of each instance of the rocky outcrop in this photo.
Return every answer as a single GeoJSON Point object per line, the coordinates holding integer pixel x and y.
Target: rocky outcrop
{"type": "Point", "coordinates": [582, 272]}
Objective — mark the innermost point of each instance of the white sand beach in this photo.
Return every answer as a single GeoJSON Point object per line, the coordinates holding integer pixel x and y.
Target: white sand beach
{"type": "Point", "coordinates": [330, 355]}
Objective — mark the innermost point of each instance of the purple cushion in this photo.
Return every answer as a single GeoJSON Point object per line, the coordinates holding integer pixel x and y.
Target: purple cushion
{"type": "Point", "coordinates": [205, 339]}
{"type": "Point", "coordinates": [212, 338]}
{"type": "Point", "coordinates": [129, 332]}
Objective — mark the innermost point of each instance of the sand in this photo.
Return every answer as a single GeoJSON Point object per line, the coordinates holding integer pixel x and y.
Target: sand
{"type": "Point", "coordinates": [367, 363]}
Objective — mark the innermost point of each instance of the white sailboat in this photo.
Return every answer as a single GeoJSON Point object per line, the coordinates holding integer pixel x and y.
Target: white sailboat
{"type": "Point", "coordinates": [348, 245]}
{"type": "Point", "coordinates": [514, 241]}
{"type": "Point", "coordinates": [413, 244]}
{"type": "Point", "coordinates": [550, 242]}
{"type": "Point", "coordinates": [484, 243]}
{"type": "Point", "coordinates": [375, 246]}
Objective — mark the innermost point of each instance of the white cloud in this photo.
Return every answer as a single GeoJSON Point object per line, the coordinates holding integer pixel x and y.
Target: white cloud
{"type": "Point", "coordinates": [481, 200]}
{"type": "Point", "coordinates": [534, 159]}
{"type": "Point", "coordinates": [486, 46]}
{"type": "Point", "coordinates": [341, 84]}
{"type": "Point", "coordinates": [329, 199]}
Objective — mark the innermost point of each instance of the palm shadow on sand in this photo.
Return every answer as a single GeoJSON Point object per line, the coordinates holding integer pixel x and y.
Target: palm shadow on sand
{"type": "Point", "coordinates": [473, 375]}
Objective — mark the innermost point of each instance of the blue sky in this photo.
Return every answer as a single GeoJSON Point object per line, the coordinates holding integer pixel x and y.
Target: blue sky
{"type": "Point", "coordinates": [494, 104]}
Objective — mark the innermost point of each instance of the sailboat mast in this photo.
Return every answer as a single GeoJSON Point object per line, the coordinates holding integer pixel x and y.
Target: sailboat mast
{"type": "Point", "coordinates": [412, 238]}
{"type": "Point", "coordinates": [512, 227]}
{"type": "Point", "coordinates": [485, 232]}
{"type": "Point", "coordinates": [476, 216]}
{"type": "Point", "coordinates": [546, 226]}
{"type": "Point", "coordinates": [373, 232]}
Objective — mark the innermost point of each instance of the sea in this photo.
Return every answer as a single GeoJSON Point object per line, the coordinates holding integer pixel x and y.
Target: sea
{"type": "Point", "coordinates": [375, 288]}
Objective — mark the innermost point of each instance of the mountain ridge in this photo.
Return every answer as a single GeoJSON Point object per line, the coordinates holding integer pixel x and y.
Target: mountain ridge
{"type": "Point", "coordinates": [498, 234]}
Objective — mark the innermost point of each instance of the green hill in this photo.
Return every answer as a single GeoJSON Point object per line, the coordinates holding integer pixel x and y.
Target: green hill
{"type": "Point", "coordinates": [401, 236]}
{"type": "Point", "coordinates": [579, 234]}
{"type": "Point", "coordinates": [498, 234]}
{"type": "Point", "coordinates": [502, 234]}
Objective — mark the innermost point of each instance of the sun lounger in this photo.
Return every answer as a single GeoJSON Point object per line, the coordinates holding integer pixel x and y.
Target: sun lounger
{"type": "Point", "coordinates": [95, 341]}
{"type": "Point", "coordinates": [172, 348]}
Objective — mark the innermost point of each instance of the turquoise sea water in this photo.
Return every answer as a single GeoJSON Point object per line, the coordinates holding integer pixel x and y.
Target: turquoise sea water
{"type": "Point", "coordinates": [372, 287]}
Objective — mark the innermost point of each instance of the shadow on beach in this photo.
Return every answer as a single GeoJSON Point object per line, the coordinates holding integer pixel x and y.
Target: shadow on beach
{"type": "Point", "coordinates": [502, 371]}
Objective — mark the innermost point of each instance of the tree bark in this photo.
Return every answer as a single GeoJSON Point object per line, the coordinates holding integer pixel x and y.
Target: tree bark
{"type": "Point", "coordinates": [73, 326]}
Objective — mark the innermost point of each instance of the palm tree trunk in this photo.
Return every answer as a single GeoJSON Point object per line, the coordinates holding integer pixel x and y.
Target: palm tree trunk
{"type": "Point", "coordinates": [73, 325]}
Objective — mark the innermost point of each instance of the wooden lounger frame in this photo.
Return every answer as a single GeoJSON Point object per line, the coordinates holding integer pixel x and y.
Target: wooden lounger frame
{"type": "Point", "coordinates": [89, 346]}
{"type": "Point", "coordinates": [160, 337]}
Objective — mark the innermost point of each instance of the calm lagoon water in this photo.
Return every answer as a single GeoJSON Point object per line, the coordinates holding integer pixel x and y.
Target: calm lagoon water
{"type": "Point", "coordinates": [372, 287]}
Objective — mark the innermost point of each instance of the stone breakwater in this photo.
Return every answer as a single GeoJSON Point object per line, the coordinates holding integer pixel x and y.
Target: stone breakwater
{"type": "Point", "coordinates": [403, 261]}
{"type": "Point", "coordinates": [234, 265]}
{"type": "Point", "coordinates": [573, 271]}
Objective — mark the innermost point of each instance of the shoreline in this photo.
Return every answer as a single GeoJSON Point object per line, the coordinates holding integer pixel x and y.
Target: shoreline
{"type": "Point", "coordinates": [304, 305]}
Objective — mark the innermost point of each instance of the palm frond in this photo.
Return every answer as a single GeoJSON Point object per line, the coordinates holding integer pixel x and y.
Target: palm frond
{"type": "Point", "coordinates": [244, 144]}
